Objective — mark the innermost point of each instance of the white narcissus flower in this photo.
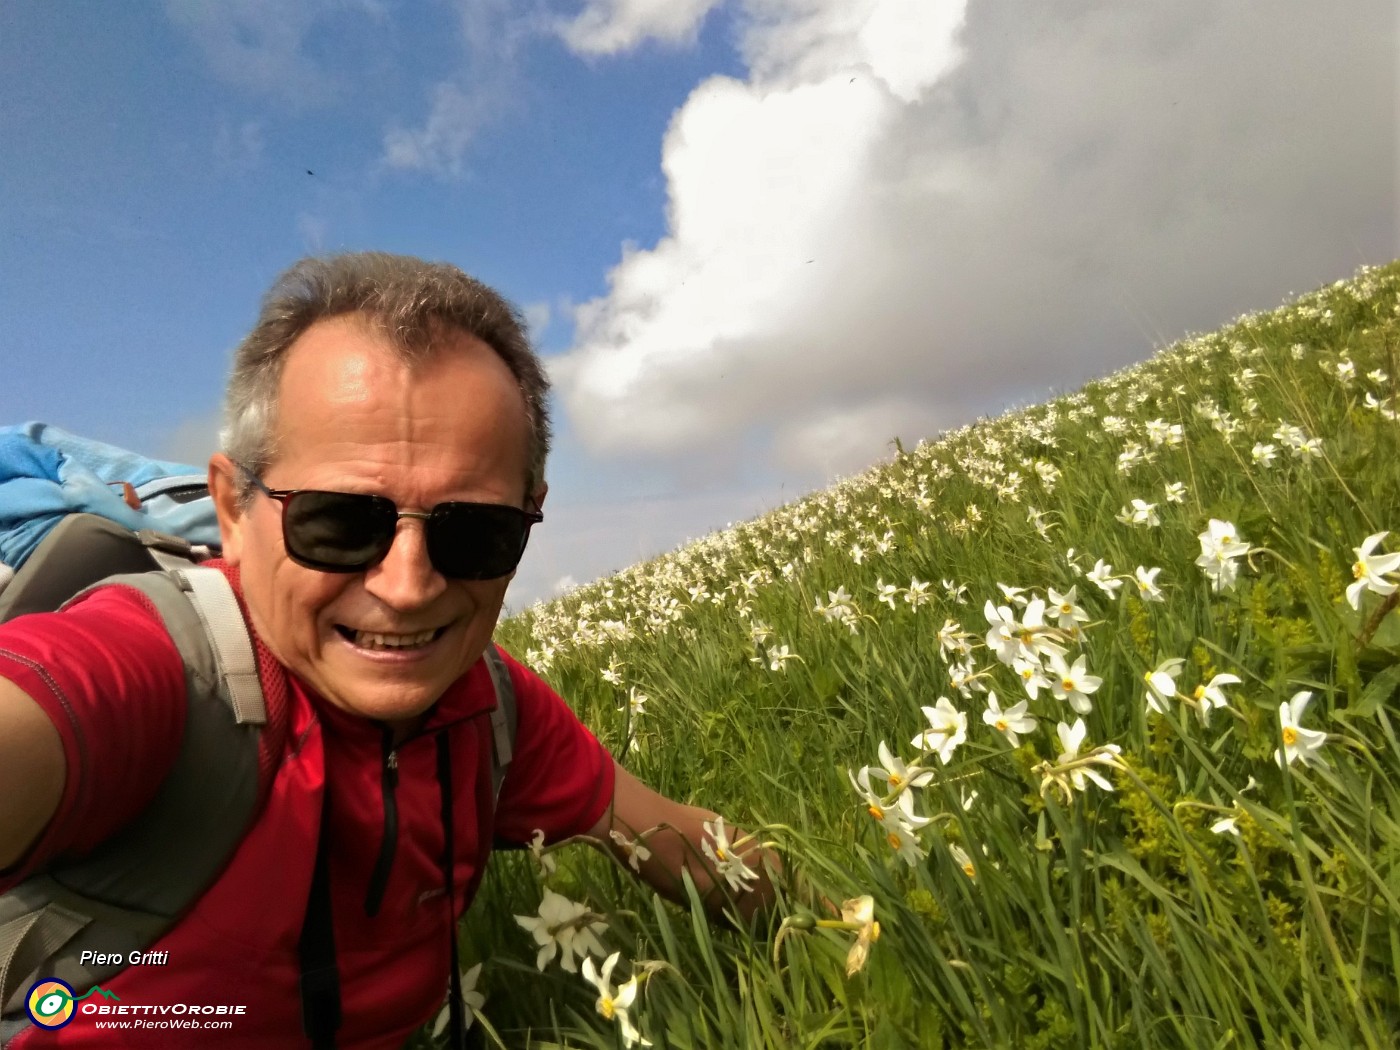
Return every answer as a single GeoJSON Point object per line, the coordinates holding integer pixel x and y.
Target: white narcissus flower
{"type": "Point", "coordinates": [1146, 580]}
{"type": "Point", "coordinates": [965, 678]}
{"type": "Point", "coordinates": [1161, 683]}
{"type": "Point", "coordinates": [1065, 607]}
{"type": "Point", "coordinates": [472, 1000]}
{"type": "Point", "coordinates": [1140, 512]}
{"type": "Point", "coordinates": [1071, 737]}
{"type": "Point", "coordinates": [886, 592]}
{"type": "Point", "coordinates": [543, 859]}
{"type": "Point", "coordinates": [901, 830]}
{"type": "Point", "coordinates": [1264, 454]}
{"type": "Point", "coordinates": [1297, 741]}
{"type": "Point", "coordinates": [951, 639]}
{"type": "Point", "coordinates": [898, 775]}
{"type": "Point", "coordinates": [728, 864]}
{"type": "Point", "coordinates": [1011, 722]}
{"type": "Point", "coordinates": [917, 593]}
{"type": "Point", "coordinates": [1073, 683]}
{"type": "Point", "coordinates": [1032, 677]}
{"type": "Point", "coordinates": [612, 674]}
{"type": "Point", "coordinates": [1369, 570]}
{"type": "Point", "coordinates": [962, 860]}
{"type": "Point", "coordinates": [1016, 595]}
{"type": "Point", "coordinates": [614, 1005]}
{"type": "Point", "coordinates": [1033, 634]}
{"type": "Point", "coordinates": [1004, 636]}
{"type": "Point", "coordinates": [1209, 694]}
{"type": "Point", "coordinates": [636, 852]}
{"type": "Point", "coordinates": [565, 928]}
{"type": "Point", "coordinates": [1220, 546]}
{"type": "Point", "coordinates": [1226, 826]}
{"type": "Point", "coordinates": [1176, 492]}
{"type": "Point", "coordinates": [874, 801]}
{"type": "Point", "coordinates": [778, 658]}
{"type": "Point", "coordinates": [861, 911]}
{"type": "Point", "coordinates": [1101, 576]}
{"type": "Point", "coordinates": [948, 730]}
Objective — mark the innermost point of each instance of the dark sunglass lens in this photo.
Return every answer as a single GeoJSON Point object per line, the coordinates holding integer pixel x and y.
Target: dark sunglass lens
{"type": "Point", "coordinates": [338, 529]}
{"type": "Point", "coordinates": [476, 541]}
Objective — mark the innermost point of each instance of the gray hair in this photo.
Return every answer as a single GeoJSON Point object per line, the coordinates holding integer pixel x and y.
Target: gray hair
{"type": "Point", "coordinates": [409, 300]}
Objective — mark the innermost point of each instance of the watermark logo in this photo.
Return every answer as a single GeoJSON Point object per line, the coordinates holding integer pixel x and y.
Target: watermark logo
{"type": "Point", "coordinates": [51, 1002]}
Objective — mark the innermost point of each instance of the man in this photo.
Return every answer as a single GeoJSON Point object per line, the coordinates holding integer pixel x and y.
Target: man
{"type": "Point", "coordinates": [383, 463]}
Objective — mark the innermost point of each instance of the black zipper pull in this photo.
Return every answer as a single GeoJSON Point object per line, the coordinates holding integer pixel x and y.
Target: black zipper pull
{"type": "Point", "coordinates": [388, 845]}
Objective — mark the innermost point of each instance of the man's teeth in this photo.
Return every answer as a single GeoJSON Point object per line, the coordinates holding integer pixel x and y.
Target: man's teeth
{"type": "Point", "coordinates": [370, 640]}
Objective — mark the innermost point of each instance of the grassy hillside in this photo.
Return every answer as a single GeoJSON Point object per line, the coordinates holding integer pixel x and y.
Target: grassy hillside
{"type": "Point", "coordinates": [1164, 881]}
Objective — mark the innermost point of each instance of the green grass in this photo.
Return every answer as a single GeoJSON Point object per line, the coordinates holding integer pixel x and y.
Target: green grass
{"type": "Point", "coordinates": [1103, 919]}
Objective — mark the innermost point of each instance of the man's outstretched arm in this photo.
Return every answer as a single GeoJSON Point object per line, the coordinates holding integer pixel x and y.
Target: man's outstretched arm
{"type": "Point", "coordinates": [675, 836]}
{"type": "Point", "coordinates": [32, 771]}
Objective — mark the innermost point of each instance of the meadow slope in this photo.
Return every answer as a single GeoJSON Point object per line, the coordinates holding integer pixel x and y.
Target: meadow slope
{"type": "Point", "coordinates": [1093, 701]}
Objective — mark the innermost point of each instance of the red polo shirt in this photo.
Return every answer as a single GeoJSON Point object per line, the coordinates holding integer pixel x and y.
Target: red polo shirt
{"type": "Point", "coordinates": [112, 682]}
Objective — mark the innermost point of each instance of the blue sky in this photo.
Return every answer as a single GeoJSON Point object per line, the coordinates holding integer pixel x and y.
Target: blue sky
{"type": "Point", "coordinates": [757, 238]}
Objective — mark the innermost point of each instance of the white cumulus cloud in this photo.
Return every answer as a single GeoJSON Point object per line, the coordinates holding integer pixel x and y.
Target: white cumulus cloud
{"type": "Point", "coordinates": [607, 27]}
{"type": "Point", "coordinates": [912, 212]}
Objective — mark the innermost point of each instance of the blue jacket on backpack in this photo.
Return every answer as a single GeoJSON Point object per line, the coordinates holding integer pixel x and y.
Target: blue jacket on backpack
{"type": "Point", "coordinates": [47, 473]}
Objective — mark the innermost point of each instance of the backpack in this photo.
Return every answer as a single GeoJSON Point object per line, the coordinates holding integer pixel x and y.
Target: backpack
{"type": "Point", "coordinates": [134, 887]}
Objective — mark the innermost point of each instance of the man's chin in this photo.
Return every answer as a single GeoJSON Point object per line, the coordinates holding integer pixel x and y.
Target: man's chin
{"type": "Point", "coordinates": [381, 698]}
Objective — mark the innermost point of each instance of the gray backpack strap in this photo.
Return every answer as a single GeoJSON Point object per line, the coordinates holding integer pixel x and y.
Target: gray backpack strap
{"type": "Point", "coordinates": [213, 599]}
{"type": "Point", "coordinates": [503, 718]}
{"type": "Point", "coordinates": [130, 890]}
{"type": "Point", "coordinates": [27, 940]}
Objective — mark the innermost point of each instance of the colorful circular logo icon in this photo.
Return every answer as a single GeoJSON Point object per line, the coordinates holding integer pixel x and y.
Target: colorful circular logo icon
{"type": "Point", "coordinates": [50, 1003]}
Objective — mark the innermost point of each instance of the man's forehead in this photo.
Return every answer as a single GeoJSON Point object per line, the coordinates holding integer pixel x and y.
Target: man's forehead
{"type": "Point", "coordinates": [343, 372]}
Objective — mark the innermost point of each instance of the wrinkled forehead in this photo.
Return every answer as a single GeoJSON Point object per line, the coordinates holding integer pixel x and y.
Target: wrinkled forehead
{"type": "Point", "coordinates": [347, 386]}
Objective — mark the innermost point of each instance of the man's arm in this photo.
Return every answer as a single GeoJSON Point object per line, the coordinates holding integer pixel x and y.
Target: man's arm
{"type": "Point", "coordinates": [636, 810]}
{"type": "Point", "coordinates": [32, 772]}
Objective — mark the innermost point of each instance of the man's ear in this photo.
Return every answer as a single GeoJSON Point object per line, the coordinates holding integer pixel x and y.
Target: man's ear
{"type": "Point", "coordinates": [223, 486]}
{"type": "Point", "coordinates": [536, 498]}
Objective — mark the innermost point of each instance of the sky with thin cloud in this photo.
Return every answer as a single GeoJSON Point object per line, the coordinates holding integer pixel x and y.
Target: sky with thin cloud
{"type": "Point", "coordinates": [756, 240]}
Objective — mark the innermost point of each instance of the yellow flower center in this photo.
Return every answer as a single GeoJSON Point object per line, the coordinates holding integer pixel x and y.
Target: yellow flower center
{"type": "Point", "coordinates": [606, 1007]}
{"type": "Point", "coordinates": [1290, 736]}
{"type": "Point", "coordinates": [896, 780]}
{"type": "Point", "coordinates": [875, 811]}
{"type": "Point", "coordinates": [721, 853]}
{"type": "Point", "coordinates": [1001, 725]}
{"type": "Point", "coordinates": [969, 870]}
{"type": "Point", "coordinates": [1358, 571]}
{"type": "Point", "coordinates": [1067, 684]}
{"type": "Point", "coordinates": [893, 840]}
{"type": "Point", "coordinates": [1199, 693]}
{"type": "Point", "coordinates": [874, 931]}
{"type": "Point", "coordinates": [1066, 608]}
{"type": "Point", "coordinates": [1026, 674]}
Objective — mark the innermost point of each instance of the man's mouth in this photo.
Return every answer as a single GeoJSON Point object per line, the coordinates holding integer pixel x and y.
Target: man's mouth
{"type": "Point", "coordinates": [376, 641]}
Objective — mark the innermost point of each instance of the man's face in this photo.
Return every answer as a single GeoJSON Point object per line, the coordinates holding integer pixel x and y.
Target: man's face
{"type": "Point", "coordinates": [354, 418]}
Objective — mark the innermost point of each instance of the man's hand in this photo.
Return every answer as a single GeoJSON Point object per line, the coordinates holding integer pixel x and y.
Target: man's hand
{"type": "Point", "coordinates": [32, 772]}
{"type": "Point", "coordinates": [673, 839]}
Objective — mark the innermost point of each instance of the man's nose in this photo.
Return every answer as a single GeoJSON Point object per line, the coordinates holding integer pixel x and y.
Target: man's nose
{"type": "Point", "coordinates": [406, 579]}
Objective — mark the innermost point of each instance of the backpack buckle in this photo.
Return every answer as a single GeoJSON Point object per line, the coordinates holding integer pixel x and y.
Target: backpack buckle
{"type": "Point", "coordinates": [163, 541]}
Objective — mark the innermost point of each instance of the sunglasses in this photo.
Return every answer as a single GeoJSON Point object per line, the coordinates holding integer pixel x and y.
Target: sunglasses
{"type": "Point", "coordinates": [351, 532]}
